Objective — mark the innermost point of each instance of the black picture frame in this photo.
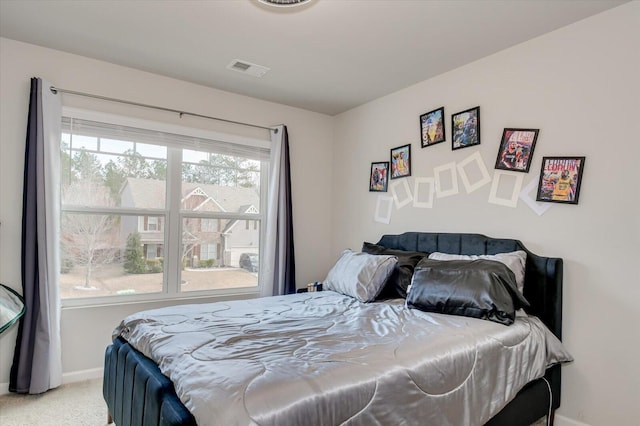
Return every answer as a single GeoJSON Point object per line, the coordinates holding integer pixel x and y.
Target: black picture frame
{"type": "Point", "coordinates": [516, 149]}
{"type": "Point", "coordinates": [432, 128]}
{"type": "Point", "coordinates": [560, 179]}
{"type": "Point", "coordinates": [379, 176]}
{"type": "Point", "coordinates": [465, 128]}
{"type": "Point", "coordinates": [400, 161]}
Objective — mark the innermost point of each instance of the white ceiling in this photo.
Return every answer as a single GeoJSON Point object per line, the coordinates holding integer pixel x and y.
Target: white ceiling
{"type": "Point", "coordinates": [327, 56]}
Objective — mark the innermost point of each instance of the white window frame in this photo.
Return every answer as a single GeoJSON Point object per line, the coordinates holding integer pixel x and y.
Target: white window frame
{"type": "Point", "coordinates": [172, 214]}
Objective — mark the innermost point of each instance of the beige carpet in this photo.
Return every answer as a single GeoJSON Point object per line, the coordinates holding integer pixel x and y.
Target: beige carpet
{"type": "Point", "coordinates": [74, 404]}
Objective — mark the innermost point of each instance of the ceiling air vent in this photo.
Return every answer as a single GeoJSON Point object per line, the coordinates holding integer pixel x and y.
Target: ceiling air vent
{"type": "Point", "coordinates": [248, 68]}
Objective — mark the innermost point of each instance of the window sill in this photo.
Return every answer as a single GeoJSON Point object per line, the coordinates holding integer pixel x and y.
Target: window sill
{"type": "Point", "coordinates": [160, 298]}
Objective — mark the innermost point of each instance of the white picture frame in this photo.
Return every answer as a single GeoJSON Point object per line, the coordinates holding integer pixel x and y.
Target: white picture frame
{"type": "Point", "coordinates": [471, 161]}
{"type": "Point", "coordinates": [401, 193]}
{"type": "Point", "coordinates": [515, 190]}
{"type": "Point", "coordinates": [419, 185]}
{"type": "Point", "coordinates": [439, 172]}
{"type": "Point", "coordinates": [525, 195]}
{"type": "Point", "coordinates": [384, 205]}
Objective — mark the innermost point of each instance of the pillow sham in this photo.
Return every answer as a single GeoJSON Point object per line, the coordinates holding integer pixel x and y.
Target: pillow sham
{"type": "Point", "coordinates": [515, 260]}
{"type": "Point", "coordinates": [400, 278]}
{"type": "Point", "coordinates": [359, 275]}
{"type": "Point", "coordinates": [478, 288]}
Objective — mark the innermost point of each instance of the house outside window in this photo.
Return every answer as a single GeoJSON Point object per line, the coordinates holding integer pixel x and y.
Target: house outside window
{"type": "Point", "coordinates": [152, 251]}
{"type": "Point", "coordinates": [209, 225]}
{"type": "Point", "coordinates": [153, 223]}
{"type": "Point", "coordinates": [152, 214]}
{"type": "Point", "coordinates": [209, 252]}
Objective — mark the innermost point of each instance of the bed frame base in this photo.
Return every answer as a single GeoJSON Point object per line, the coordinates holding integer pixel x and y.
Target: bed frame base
{"type": "Point", "coordinates": [137, 393]}
{"type": "Point", "coordinates": [530, 405]}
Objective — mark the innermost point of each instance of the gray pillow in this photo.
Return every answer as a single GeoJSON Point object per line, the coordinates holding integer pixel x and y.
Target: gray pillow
{"type": "Point", "coordinates": [515, 260]}
{"type": "Point", "coordinates": [400, 279]}
{"type": "Point", "coordinates": [359, 275]}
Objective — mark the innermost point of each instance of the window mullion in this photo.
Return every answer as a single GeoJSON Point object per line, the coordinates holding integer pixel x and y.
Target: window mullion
{"type": "Point", "coordinates": [173, 230]}
{"type": "Point", "coordinates": [113, 210]}
{"type": "Point", "coordinates": [223, 215]}
{"type": "Point", "coordinates": [264, 207]}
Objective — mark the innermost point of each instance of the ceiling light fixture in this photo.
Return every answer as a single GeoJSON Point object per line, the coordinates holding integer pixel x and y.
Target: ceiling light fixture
{"type": "Point", "coordinates": [284, 3]}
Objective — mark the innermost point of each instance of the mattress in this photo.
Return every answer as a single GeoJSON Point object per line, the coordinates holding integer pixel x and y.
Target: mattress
{"type": "Point", "coordinates": [325, 358]}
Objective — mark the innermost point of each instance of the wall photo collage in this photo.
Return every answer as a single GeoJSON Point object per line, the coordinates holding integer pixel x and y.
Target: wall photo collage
{"type": "Point", "coordinates": [559, 180]}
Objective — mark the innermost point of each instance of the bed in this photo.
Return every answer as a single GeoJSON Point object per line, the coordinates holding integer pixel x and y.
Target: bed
{"type": "Point", "coordinates": [296, 359]}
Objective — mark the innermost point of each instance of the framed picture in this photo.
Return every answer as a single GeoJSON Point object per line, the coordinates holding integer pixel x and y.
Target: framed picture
{"type": "Point", "coordinates": [401, 161]}
{"type": "Point", "coordinates": [379, 177]}
{"type": "Point", "coordinates": [465, 128]}
{"type": "Point", "coordinates": [516, 149]}
{"type": "Point", "coordinates": [560, 179]}
{"type": "Point", "coordinates": [432, 127]}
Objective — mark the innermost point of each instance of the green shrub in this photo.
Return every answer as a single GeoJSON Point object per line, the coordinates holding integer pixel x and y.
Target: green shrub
{"type": "Point", "coordinates": [208, 263]}
{"type": "Point", "coordinates": [134, 258]}
{"type": "Point", "coordinates": [154, 265]}
{"type": "Point", "coordinates": [66, 265]}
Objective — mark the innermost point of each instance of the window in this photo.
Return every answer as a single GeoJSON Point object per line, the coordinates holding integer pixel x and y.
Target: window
{"type": "Point", "coordinates": [208, 252]}
{"type": "Point", "coordinates": [149, 213]}
{"type": "Point", "coordinates": [209, 225]}
{"type": "Point", "coordinates": [152, 223]}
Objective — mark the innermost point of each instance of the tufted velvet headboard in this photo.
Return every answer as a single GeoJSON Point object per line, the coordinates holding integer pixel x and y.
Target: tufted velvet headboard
{"type": "Point", "coordinates": [543, 275]}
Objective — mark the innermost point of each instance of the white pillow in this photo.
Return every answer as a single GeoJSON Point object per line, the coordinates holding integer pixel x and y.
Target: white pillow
{"type": "Point", "coordinates": [515, 260]}
{"type": "Point", "coordinates": [360, 275]}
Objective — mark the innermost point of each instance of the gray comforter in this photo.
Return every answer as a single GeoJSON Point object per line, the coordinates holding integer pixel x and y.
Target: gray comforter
{"type": "Point", "coordinates": [326, 359]}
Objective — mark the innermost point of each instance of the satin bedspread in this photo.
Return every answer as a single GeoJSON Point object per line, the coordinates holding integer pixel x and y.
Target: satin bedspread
{"type": "Point", "coordinates": [326, 359]}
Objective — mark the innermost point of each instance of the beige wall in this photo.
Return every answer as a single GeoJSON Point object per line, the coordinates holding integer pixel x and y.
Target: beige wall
{"type": "Point", "coordinates": [86, 331]}
{"type": "Point", "coordinates": [580, 86]}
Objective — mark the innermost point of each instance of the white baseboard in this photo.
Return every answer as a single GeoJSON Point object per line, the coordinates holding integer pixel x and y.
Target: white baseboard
{"type": "Point", "coordinates": [566, 421]}
{"type": "Point", "coordinates": [75, 376]}
{"type": "Point", "coordinates": [78, 376]}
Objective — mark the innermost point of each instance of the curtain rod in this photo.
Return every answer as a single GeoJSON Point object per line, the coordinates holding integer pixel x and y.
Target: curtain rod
{"type": "Point", "coordinates": [55, 90]}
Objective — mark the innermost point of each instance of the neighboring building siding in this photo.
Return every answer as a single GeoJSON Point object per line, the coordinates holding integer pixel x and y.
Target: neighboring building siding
{"type": "Point", "coordinates": [232, 237]}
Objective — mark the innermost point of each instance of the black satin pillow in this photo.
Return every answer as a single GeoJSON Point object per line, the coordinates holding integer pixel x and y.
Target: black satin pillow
{"type": "Point", "coordinates": [400, 279]}
{"type": "Point", "coordinates": [481, 288]}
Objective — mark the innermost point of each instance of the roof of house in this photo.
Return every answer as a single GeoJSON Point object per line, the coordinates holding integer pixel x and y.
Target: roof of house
{"type": "Point", "coordinates": [149, 193]}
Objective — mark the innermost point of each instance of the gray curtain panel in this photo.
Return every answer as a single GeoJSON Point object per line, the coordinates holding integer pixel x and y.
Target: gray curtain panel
{"type": "Point", "coordinates": [279, 259]}
{"type": "Point", "coordinates": [37, 364]}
